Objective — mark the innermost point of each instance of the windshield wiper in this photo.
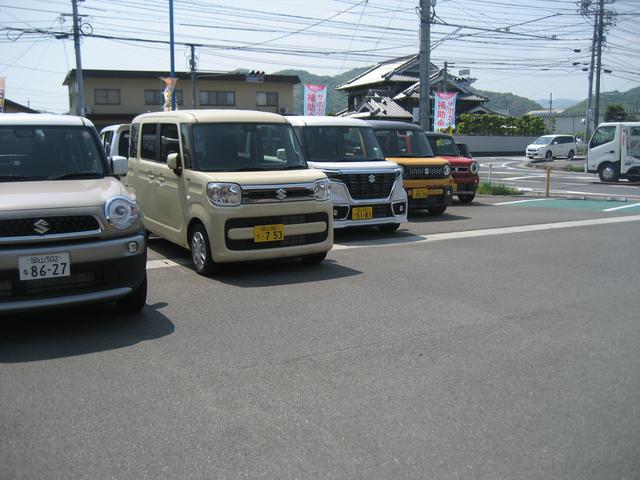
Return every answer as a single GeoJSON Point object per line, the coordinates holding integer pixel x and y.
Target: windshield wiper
{"type": "Point", "coordinates": [77, 175]}
{"type": "Point", "coordinates": [295, 167]}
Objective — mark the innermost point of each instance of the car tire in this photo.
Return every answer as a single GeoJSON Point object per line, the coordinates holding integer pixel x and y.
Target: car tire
{"type": "Point", "coordinates": [135, 301]}
{"type": "Point", "coordinates": [315, 259]}
{"type": "Point", "coordinates": [439, 210]}
{"type": "Point", "coordinates": [548, 155]}
{"type": "Point", "coordinates": [609, 172]}
{"type": "Point", "coordinates": [201, 251]}
{"type": "Point", "coordinates": [389, 227]}
{"type": "Point", "coordinates": [571, 154]}
{"type": "Point", "coordinates": [467, 198]}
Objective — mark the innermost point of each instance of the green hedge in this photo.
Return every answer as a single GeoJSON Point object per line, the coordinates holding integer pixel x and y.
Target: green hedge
{"type": "Point", "coordinates": [475, 124]}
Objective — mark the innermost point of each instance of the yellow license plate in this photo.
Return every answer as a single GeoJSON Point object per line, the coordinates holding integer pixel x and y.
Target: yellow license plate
{"type": "Point", "coordinates": [268, 233]}
{"type": "Point", "coordinates": [362, 213]}
{"type": "Point", "coordinates": [425, 192]}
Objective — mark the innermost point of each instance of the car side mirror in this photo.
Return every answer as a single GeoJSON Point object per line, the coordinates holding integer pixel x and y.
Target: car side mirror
{"type": "Point", "coordinates": [173, 162]}
{"type": "Point", "coordinates": [555, 143]}
{"type": "Point", "coordinates": [281, 154]}
{"type": "Point", "coordinates": [119, 165]}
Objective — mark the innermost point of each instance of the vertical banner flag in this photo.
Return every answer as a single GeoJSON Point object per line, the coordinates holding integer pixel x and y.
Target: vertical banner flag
{"type": "Point", "coordinates": [170, 84]}
{"type": "Point", "coordinates": [445, 110]}
{"type": "Point", "coordinates": [1, 94]}
{"type": "Point", "coordinates": [315, 99]}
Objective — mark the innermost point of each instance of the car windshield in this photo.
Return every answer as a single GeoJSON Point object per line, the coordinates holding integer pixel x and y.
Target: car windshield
{"type": "Point", "coordinates": [233, 147]}
{"type": "Point", "coordinates": [444, 146]}
{"type": "Point", "coordinates": [341, 144]}
{"type": "Point", "coordinates": [404, 143]}
{"type": "Point", "coordinates": [49, 153]}
{"type": "Point", "coordinates": [542, 140]}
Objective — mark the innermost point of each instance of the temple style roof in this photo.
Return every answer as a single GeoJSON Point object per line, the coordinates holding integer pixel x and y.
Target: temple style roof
{"type": "Point", "coordinates": [400, 70]}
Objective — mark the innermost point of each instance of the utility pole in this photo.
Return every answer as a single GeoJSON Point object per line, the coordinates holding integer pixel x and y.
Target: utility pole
{"type": "Point", "coordinates": [596, 109]}
{"type": "Point", "coordinates": [171, 47]}
{"type": "Point", "coordinates": [589, 119]}
{"type": "Point", "coordinates": [80, 108]}
{"type": "Point", "coordinates": [192, 66]}
{"type": "Point", "coordinates": [425, 63]}
{"type": "Point", "coordinates": [446, 65]}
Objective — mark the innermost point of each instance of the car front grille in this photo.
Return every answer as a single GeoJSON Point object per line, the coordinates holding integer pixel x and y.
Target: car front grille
{"type": "Point", "coordinates": [413, 173]}
{"type": "Point", "coordinates": [284, 193]}
{"type": "Point", "coordinates": [44, 226]}
{"type": "Point", "coordinates": [363, 186]}
{"type": "Point", "coordinates": [289, 241]}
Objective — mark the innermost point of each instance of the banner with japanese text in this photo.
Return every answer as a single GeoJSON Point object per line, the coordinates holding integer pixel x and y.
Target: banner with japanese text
{"type": "Point", "coordinates": [445, 111]}
{"type": "Point", "coordinates": [315, 99]}
{"type": "Point", "coordinates": [1, 94]}
{"type": "Point", "coordinates": [170, 85]}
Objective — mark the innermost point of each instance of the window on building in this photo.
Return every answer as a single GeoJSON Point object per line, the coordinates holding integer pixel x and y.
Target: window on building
{"type": "Point", "coordinates": [267, 99]}
{"type": "Point", "coordinates": [106, 96]}
{"type": "Point", "coordinates": [155, 97]}
{"type": "Point", "coordinates": [216, 98]}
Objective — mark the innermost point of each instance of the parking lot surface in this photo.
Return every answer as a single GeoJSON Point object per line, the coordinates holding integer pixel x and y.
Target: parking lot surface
{"type": "Point", "coordinates": [498, 341]}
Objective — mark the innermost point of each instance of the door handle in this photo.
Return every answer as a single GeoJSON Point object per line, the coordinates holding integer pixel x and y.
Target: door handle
{"type": "Point", "coordinates": [612, 151]}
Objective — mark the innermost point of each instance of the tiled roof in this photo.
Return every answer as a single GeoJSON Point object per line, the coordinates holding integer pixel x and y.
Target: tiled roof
{"type": "Point", "coordinates": [395, 70]}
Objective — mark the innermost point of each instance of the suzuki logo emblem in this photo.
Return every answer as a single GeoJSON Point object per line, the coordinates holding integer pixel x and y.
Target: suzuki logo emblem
{"type": "Point", "coordinates": [41, 226]}
{"type": "Point", "coordinates": [281, 193]}
{"type": "Point", "coordinates": [372, 178]}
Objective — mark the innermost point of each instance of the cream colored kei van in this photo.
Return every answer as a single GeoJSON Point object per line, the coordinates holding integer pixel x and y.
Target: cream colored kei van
{"type": "Point", "coordinates": [230, 185]}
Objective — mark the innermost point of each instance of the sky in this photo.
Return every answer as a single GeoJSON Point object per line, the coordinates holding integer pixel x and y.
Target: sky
{"type": "Point", "coordinates": [531, 48]}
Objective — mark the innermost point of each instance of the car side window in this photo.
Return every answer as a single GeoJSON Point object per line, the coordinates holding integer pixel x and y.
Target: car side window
{"type": "Point", "coordinates": [149, 150]}
{"type": "Point", "coordinates": [123, 143]}
{"type": "Point", "coordinates": [185, 138]}
{"type": "Point", "coordinates": [169, 141]}
{"type": "Point", "coordinates": [106, 141]}
{"type": "Point", "coordinates": [133, 143]}
{"type": "Point", "coordinates": [603, 135]}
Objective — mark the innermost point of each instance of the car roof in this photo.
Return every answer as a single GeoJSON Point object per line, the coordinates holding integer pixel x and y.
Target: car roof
{"type": "Point", "coordinates": [43, 119]}
{"type": "Point", "coordinates": [213, 116]}
{"type": "Point", "coordinates": [438, 135]}
{"type": "Point", "coordinates": [115, 128]}
{"type": "Point", "coordinates": [325, 121]}
{"type": "Point", "coordinates": [390, 124]}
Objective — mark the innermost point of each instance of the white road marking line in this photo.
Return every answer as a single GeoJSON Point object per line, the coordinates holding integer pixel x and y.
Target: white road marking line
{"type": "Point", "coordinates": [523, 201]}
{"type": "Point", "coordinates": [496, 231]}
{"type": "Point", "coordinates": [166, 263]}
{"type": "Point", "coordinates": [622, 207]}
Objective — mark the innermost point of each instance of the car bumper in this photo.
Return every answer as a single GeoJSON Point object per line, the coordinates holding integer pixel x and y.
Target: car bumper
{"type": "Point", "coordinates": [440, 193]}
{"type": "Point", "coordinates": [100, 271]}
{"type": "Point", "coordinates": [465, 185]}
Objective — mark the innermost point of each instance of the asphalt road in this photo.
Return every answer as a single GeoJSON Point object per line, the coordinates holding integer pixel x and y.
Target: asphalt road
{"type": "Point", "coordinates": [495, 342]}
{"type": "Point", "coordinates": [513, 171]}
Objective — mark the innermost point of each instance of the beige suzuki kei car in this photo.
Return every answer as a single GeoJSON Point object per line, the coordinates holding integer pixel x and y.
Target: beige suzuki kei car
{"type": "Point", "coordinates": [230, 185]}
{"type": "Point", "coordinates": [70, 233]}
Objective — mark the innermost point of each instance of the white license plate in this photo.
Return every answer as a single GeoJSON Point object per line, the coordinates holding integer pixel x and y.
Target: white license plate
{"type": "Point", "coordinates": [47, 265]}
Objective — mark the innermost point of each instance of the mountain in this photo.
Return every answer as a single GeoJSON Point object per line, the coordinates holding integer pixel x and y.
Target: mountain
{"type": "Point", "coordinates": [336, 101]}
{"type": "Point", "coordinates": [559, 103]}
{"type": "Point", "coordinates": [508, 103]}
{"type": "Point", "coordinates": [630, 100]}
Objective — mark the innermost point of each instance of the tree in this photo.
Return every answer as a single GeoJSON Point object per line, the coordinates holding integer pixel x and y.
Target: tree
{"type": "Point", "coordinates": [616, 113]}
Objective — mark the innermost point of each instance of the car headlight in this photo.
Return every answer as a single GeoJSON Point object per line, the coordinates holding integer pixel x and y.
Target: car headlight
{"type": "Point", "coordinates": [399, 172]}
{"type": "Point", "coordinates": [446, 170]}
{"type": "Point", "coordinates": [474, 167]}
{"type": "Point", "coordinates": [121, 212]}
{"type": "Point", "coordinates": [224, 194]}
{"type": "Point", "coordinates": [322, 189]}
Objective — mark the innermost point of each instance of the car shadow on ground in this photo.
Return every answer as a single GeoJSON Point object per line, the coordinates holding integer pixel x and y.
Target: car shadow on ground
{"type": "Point", "coordinates": [420, 217]}
{"type": "Point", "coordinates": [372, 235]}
{"type": "Point", "coordinates": [161, 248]}
{"type": "Point", "coordinates": [281, 272]}
{"type": "Point", "coordinates": [77, 331]}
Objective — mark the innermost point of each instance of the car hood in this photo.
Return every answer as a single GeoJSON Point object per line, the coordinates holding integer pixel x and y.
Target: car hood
{"type": "Point", "coordinates": [355, 166]}
{"type": "Point", "coordinates": [55, 194]}
{"type": "Point", "coordinates": [419, 161]}
{"type": "Point", "coordinates": [270, 177]}
{"type": "Point", "coordinates": [533, 146]}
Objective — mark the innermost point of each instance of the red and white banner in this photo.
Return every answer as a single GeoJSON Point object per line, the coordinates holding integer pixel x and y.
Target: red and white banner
{"type": "Point", "coordinates": [315, 99]}
{"type": "Point", "coordinates": [170, 85]}
{"type": "Point", "coordinates": [1, 94]}
{"type": "Point", "coordinates": [445, 111]}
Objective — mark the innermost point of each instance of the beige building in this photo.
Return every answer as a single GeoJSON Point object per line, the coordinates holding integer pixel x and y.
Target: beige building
{"type": "Point", "coordinates": [113, 96]}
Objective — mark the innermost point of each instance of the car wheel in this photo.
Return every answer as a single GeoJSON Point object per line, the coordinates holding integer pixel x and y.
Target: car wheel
{"type": "Point", "coordinates": [389, 227]}
{"type": "Point", "coordinates": [468, 198]}
{"type": "Point", "coordinates": [135, 301]}
{"type": "Point", "coordinates": [315, 259]}
{"type": "Point", "coordinates": [571, 154]}
{"type": "Point", "coordinates": [439, 210]}
{"type": "Point", "coordinates": [201, 251]}
{"type": "Point", "coordinates": [609, 172]}
{"type": "Point", "coordinates": [548, 155]}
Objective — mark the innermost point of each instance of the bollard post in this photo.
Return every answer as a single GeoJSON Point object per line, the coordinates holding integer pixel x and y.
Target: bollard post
{"type": "Point", "coordinates": [490, 168]}
{"type": "Point", "coordinates": [548, 180]}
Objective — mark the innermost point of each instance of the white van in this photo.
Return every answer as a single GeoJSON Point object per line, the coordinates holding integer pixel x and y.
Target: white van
{"type": "Point", "coordinates": [366, 189]}
{"type": "Point", "coordinates": [231, 185]}
{"type": "Point", "coordinates": [552, 146]}
{"type": "Point", "coordinates": [115, 139]}
{"type": "Point", "coordinates": [614, 152]}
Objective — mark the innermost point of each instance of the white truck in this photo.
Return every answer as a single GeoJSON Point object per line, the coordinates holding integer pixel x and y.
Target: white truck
{"type": "Point", "coordinates": [614, 152]}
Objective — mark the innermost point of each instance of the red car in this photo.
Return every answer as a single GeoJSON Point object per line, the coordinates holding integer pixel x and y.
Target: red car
{"type": "Point", "coordinates": [464, 169]}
